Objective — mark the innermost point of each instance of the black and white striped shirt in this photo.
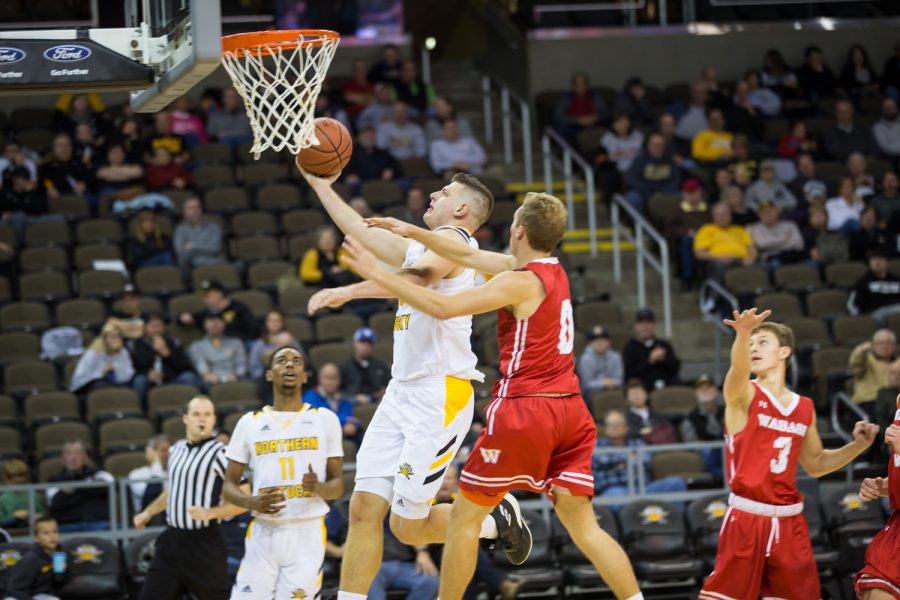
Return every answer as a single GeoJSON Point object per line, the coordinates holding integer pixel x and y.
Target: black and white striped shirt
{"type": "Point", "coordinates": [196, 475]}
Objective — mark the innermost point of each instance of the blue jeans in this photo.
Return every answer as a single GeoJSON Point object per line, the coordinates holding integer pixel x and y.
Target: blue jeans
{"type": "Point", "coordinates": [636, 201]}
{"type": "Point", "coordinates": [686, 257]}
{"type": "Point", "coordinates": [395, 574]}
{"type": "Point", "coordinates": [84, 525]}
{"type": "Point", "coordinates": [666, 484]}
{"type": "Point", "coordinates": [850, 227]}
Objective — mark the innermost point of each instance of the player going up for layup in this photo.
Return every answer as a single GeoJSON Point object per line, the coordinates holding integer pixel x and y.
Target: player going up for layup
{"type": "Point", "coordinates": [879, 579]}
{"type": "Point", "coordinates": [296, 454]}
{"type": "Point", "coordinates": [764, 546]}
{"type": "Point", "coordinates": [539, 435]}
{"type": "Point", "coordinates": [427, 408]}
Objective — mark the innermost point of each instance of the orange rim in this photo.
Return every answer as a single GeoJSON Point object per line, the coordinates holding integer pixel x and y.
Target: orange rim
{"type": "Point", "coordinates": [263, 42]}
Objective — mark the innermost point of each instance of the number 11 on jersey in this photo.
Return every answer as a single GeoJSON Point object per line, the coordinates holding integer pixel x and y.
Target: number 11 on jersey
{"type": "Point", "coordinates": [287, 467]}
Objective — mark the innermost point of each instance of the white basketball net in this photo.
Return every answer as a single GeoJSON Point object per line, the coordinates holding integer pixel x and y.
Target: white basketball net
{"type": "Point", "coordinates": [279, 87]}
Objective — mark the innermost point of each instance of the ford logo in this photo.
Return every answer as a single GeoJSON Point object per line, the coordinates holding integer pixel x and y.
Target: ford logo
{"type": "Point", "coordinates": [69, 53]}
{"type": "Point", "coordinates": [9, 56]}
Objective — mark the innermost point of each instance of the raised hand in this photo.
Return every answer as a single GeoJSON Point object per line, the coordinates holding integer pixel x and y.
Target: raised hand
{"type": "Point", "coordinates": [269, 502]}
{"type": "Point", "coordinates": [892, 438]}
{"type": "Point", "coordinates": [360, 259]}
{"type": "Point", "coordinates": [313, 180]}
{"type": "Point", "coordinates": [748, 320]}
{"type": "Point", "coordinates": [310, 481]}
{"type": "Point", "coordinates": [865, 432]}
{"type": "Point", "coordinates": [395, 226]}
{"type": "Point", "coordinates": [327, 298]}
{"type": "Point", "coordinates": [140, 520]}
{"type": "Point", "coordinates": [870, 488]}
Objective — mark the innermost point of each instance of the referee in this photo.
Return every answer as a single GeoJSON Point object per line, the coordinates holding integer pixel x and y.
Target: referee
{"type": "Point", "coordinates": [190, 554]}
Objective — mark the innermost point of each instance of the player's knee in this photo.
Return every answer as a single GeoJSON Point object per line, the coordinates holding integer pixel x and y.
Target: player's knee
{"type": "Point", "coordinates": [367, 508]}
{"type": "Point", "coordinates": [408, 531]}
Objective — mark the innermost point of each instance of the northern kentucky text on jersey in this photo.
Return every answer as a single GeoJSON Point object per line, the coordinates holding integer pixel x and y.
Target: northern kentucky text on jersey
{"type": "Point", "coordinates": [286, 445]}
{"type": "Point", "coordinates": [781, 425]}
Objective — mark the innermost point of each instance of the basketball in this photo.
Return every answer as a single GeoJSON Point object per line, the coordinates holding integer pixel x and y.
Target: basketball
{"type": "Point", "coordinates": [331, 154]}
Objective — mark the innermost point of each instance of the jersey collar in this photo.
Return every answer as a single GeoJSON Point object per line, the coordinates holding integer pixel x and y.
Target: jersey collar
{"type": "Point", "coordinates": [784, 410]}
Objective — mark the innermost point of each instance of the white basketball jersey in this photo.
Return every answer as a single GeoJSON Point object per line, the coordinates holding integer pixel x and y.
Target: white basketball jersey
{"type": "Point", "coordinates": [279, 448]}
{"type": "Point", "coordinates": [425, 346]}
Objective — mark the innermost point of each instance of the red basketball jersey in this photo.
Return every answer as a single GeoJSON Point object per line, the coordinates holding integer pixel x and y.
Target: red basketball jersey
{"type": "Point", "coordinates": [761, 459]}
{"type": "Point", "coordinates": [894, 468]}
{"type": "Point", "coordinates": [536, 353]}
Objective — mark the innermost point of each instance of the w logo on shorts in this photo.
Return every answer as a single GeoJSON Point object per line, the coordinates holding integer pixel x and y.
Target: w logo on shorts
{"type": "Point", "coordinates": [490, 455]}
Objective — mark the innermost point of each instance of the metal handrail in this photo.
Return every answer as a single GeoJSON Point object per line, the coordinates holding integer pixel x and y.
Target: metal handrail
{"type": "Point", "coordinates": [711, 295]}
{"type": "Point", "coordinates": [642, 229]}
{"type": "Point", "coordinates": [570, 154]}
{"type": "Point", "coordinates": [838, 400]}
{"type": "Point", "coordinates": [507, 116]}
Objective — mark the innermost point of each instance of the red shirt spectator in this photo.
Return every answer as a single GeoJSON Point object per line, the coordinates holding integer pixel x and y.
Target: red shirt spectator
{"type": "Point", "coordinates": [162, 172]}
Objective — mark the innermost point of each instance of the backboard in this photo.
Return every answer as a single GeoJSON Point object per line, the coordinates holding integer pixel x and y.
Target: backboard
{"type": "Point", "coordinates": [166, 47]}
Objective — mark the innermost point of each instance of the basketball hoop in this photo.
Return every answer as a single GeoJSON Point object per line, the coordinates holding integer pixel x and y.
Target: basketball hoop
{"type": "Point", "coordinates": [279, 75]}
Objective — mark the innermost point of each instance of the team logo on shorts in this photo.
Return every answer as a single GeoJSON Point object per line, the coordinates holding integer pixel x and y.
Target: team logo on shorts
{"type": "Point", "coordinates": [298, 593]}
{"type": "Point", "coordinates": [851, 502]}
{"type": "Point", "coordinates": [654, 514]}
{"type": "Point", "coordinates": [406, 470]}
{"type": "Point", "coordinates": [715, 510]}
{"type": "Point", "coordinates": [490, 455]}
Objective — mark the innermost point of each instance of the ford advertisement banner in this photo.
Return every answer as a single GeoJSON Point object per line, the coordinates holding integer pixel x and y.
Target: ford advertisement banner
{"type": "Point", "coordinates": [28, 66]}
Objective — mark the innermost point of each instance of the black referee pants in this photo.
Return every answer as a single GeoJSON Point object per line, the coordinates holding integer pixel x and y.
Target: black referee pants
{"type": "Point", "coordinates": [188, 561]}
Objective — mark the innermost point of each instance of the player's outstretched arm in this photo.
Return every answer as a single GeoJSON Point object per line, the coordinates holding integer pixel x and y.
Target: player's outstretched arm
{"type": "Point", "coordinates": [817, 461]}
{"type": "Point", "coordinates": [386, 246]}
{"type": "Point", "coordinates": [453, 249]}
{"type": "Point", "coordinates": [737, 387]}
{"type": "Point", "coordinates": [506, 289]}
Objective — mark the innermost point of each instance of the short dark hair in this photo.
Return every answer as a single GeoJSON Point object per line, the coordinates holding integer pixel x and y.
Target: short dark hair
{"type": "Point", "coordinates": [187, 405]}
{"type": "Point", "coordinates": [46, 518]}
{"type": "Point", "coordinates": [634, 382]}
{"type": "Point", "coordinates": [277, 350]}
{"type": "Point", "coordinates": [485, 199]}
{"type": "Point", "coordinates": [810, 49]}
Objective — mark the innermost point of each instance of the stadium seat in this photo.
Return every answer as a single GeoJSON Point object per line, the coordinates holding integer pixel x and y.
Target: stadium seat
{"type": "Point", "coordinates": [704, 517]}
{"type": "Point", "coordinates": [121, 464]}
{"type": "Point", "coordinates": [382, 193]}
{"type": "Point", "coordinates": [185, 303]}
{"type": "Point", "coordinates": [24, 316]}
{"type": "Point", "coordinates": [163, 281]}
{"type": "Point", "coordinates": [589, 314]}
{"type": "Point", "coordinates": [83, 313]}
{"type": "Point", "coordinates": [746, 281]}
{"type": "Point", "coordinates": [334, 328]}
{"type": "Point", "coordinates": [686, 464]}
{"type": "Point", "coordinates": [300, 328]}
{"type": "Point", "coordinates": [830, 368]}
{"type": "Point", "coordinates": [19, 345]}
{"type": "Point", "coordinates": [258, 302]}
{"type": "Point", "coordinates": [238, 396]}
{"type": "Point", "coordinates": [93, 564]}
{"type": "Point", "coordinates": [588, 140]}
{"type": "Point", "coordinates": [138, 555]}
{"type": "Point", "coordinates": [827, 558]}
{"type": "Point", "coordinates": [364, 413]}
{"type": "Point", "coordinates": [72, 207]}
{"type": "Point", "coordinates": [302, 221]}
{"type": "Point", "coordinates": [213, 176]}
{"type": "Point", "coordinates": [349, 452]}
{"type": "Point", "coordinates": [604, 401]}
{"type": "Point", "coordinates": [265, 275]}
{"type": "Point", "coordinates": [852, 523]}
{"type": "Point", "coordinates": [655, 538]}
{"type": "Point", "coordinates": [51, 407]}
{"type": "Point", "coordinates": [44, 287]}
{"type": "Point", "coordinates": [9, 415]}
{"type": "Point", "coordinates": [47, 233]}
{"type": "Point", "coordinates": [674, 400]}
{"type": "Point", "coordinates": [10, 443]}
{"type": "Point", "coordinates": [782, 304]}
{"type": "Point", "coordinates": [29, 377]}
{"type": "Point", "coordinates": [149, 305]}
{"type": "Point", "coordinates": [100, 284]}
{"type": "Point", "coordinates": [299, 244]}
{"type": "Point", "coordinates": [168, 400]}
{"type": "Point", "coordinates": [226, 274]}
{"type": "Point", "coordinates": [293, 301]}
{"type": "Point", "coordinates": [278, 197]}
{"type": "Point", "coordinates": [844, 275]}
{"type": "Point", "coordinates": [270, 155]}
{"type": "Point", "coordinates": [28, 118]}
{"type": "Point", "coordinates": [827, 304]}
{"type": "Point", "coordinates": [660, 206]}
{"type": "Point", "coordinates": [212, 153]}
{"type": "Point", "coordinates": [798, 278]}
{"type": "Point", "coordinates": [809, 334]}
{"type": "Point", "coordinates": [383, 350]}
{"type": "Point", "coordinates": [10, 554]}
{"type": "Point", "coordinates": [540, 572]}
{"type": "Point", "coordinates": [124, 435]}
{"type": "Point", "coordinates": [49, 439]}
{"type": "Point", "coordinates": [417, 168]}
{"type": "Point", "coordinates": [334, 352]}
{"type": "Point", "coordinates": [383, 324]}
{"type": "Point", "coordinates": [253, 222]}
{"type": "Point", "coordinates": [49, 468]}
{"type": "Point", "coordinates": [112, 403]}
{"type": "Point", "coordinates": [849, 331]}
{"type": "Point", "coordinates": [174, 427]}
{"type": "Point", "coordinates": [260, 173]}
{"type": "Point", "coordinates": [5, 290]}
{"type": "Point", "coordinates": [579, 571]}
{"type": "Point", "coordinates": [257, 248]}
{"type": "Point", "coordinates": [98, 231]}
{"type": "Point", "coordinates": [52, 258]}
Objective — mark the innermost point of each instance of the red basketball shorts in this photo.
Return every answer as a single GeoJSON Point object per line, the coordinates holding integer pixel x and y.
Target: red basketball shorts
{"type": "Point", "coordinates": [882, 569]}
{"type": "Point", "coordinates": [744, 572]}
{"type": "Point", "coordinates": [533, 443]}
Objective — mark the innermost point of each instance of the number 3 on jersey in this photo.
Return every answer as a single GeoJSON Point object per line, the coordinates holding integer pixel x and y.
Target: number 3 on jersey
{"type": "Point", "coordinates": [566, 328]}
{"type": "Point", "coordinates": [779, 465]}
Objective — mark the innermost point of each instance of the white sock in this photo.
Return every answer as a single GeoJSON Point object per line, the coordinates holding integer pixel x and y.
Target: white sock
{"type": "Point", "coordinates": [638, 596]}
{"type": "Point", "coordinates": [350, 596]}
{"type": "Point", "coordinates": [489, 528]}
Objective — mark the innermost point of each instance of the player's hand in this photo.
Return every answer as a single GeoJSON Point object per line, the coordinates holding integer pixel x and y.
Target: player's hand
{"type": "Point", "coordinates": [314, 180]}
{"type": "Point", "coordinates": [269, 502]}
{"type": "Point", "coordinates": [360, 259]}
{"type": "Point", "coordinates": [747, 320]}
{"type": "Point", "coordinates": [140, 520]}
{"type": "Point", "coordinates": [425, 565]}
{"type": "Point", "coordinates": [199, 513]}
{"type": "Point", "coordinates": [865, 432]}
{"type": "Point", "coordinates": [870, 488]}
{"type": "Point", "coordinates": [395, 226]}
{"type": "Point", "coordinates": [327, 298]}
{"type": "Point", "coordinates": [310, 481]}
{"type": "Point", "coordinates": [892, 438]}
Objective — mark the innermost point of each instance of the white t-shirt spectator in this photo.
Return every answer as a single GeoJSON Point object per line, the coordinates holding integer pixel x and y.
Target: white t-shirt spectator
{"type": "Point", "coordinates": [839, 212]}
{"type": "Point", "coordinates": [443, 154]}
{"type": "Point", "coordinates": [622, 151]}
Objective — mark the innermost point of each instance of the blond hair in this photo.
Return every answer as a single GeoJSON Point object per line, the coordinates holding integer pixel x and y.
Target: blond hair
{"type": "Point", "coordinates": [544, 218]}
{"type": "Point", "coordinates": [98, 344]}
{"type": "Point", "coordinates": [783, 333]}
